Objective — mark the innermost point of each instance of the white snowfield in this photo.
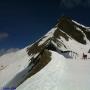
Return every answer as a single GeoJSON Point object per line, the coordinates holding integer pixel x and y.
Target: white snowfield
{"type": "Point", "coordinates": [12, 64]}
{"type": "Point", "coordinates": [60, 74]}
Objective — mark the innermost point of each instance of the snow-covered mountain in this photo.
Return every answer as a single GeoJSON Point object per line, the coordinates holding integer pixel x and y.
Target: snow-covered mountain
{"type": "Point", "coordinates": [54, 62]}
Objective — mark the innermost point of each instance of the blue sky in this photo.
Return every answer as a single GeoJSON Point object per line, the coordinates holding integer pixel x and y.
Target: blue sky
{"type": "Point", "coordinates": [24, 21]}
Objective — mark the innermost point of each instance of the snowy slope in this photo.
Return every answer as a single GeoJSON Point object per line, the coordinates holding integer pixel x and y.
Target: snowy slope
{"type": "Point", "coordinates": [54, 62]}
{"type": "Point", "coordinates": [11, 64]}
{"type": "Point", "coordinates": [60, 74]}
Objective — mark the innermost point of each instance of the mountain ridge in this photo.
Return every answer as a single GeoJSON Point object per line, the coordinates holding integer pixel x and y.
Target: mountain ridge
{"type": "Point", "coordinates": [60, 30]}
{"type": "Point", "coordinates": [67, 40]}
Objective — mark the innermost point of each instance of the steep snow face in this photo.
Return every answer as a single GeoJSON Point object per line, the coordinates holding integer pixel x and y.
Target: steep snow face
{"type": "Point", "coordinates": [60, 74]}
{"type": "Point", "coordinates": [75, 46]}
{"type": "Point", "coordinates": [12, 64]}
{"type": "Point", "coordinates": [85, 37]}
{"type": "Point", "coordinates": [47, 36]}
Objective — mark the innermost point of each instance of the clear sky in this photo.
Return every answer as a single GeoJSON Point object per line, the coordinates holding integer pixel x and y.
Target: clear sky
{"type": "Point", "coordinates": [24, 21]}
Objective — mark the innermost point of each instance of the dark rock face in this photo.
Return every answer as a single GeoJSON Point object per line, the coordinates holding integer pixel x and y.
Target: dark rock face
{"type": "Point", "coordinates": [50, 46]}
{"type": "Point", "coordinates": [69, 27]}
{"type": "Point", "coordinates": [41, 61]}
{"type": "Point", "coordinates": [89, 51]}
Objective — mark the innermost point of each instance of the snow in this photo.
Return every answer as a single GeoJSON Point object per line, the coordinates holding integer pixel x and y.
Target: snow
{"type": "Point", "coordinates": [60, 74]}
{"type": "Point", "coordinates": [85, 37]}
{"type": "Point", "coordinates": [34, 55]}
{"type": "Point", "coordinates": [12, 64]}
{"type": "Point", "coordinates": [80, 24]}
{"type": "Point", "coordinates": [47, 36]}
{"type": "Point", "coordinates": [73, 45]}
